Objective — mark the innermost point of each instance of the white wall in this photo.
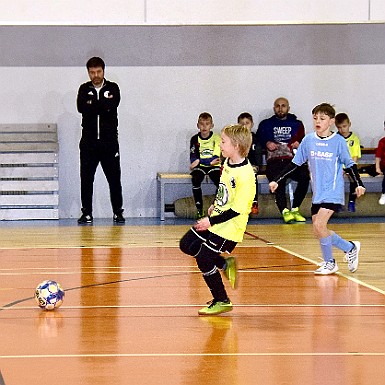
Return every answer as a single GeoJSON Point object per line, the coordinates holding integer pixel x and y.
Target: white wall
{"type": "Point", "coordinates": [377, 10]}
{"type": "Point", "coordinates": [160, 106]}
{"type": "Point", "coordinates": [256, 11]}
{"type": "Point", "coordinates": [71, 12]}
{"type": "Point", "coordinates": [168, 75]}
{"type": "Point", "coordinates": [182, 12]}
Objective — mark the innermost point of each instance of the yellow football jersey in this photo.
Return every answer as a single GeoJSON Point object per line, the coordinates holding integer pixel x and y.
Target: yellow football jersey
{"type": "Point", "coordinates": [354, 145]}
{"type": "Point", "coordinates": [236, 191]}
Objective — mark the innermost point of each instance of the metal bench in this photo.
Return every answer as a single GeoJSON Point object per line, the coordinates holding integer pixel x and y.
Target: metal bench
{"type": "Point", "coordinates": [167, 183]}
{"type": "Point", "coordinates": [168, 180]}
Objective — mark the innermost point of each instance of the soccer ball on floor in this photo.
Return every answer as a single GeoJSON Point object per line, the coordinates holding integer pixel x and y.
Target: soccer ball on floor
{"type": "Point", "coordinates": [49, 295]}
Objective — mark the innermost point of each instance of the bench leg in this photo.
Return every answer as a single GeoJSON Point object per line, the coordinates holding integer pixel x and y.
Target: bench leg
{"type": "Point", "coordinates": [162, 198]}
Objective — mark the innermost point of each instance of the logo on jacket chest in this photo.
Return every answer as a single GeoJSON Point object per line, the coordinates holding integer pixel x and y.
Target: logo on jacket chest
{"type": "Point", "coordinates": [282, 130]}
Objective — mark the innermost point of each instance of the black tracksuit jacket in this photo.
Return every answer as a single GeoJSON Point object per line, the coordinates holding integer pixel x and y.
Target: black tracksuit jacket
{"type": "Point", "coordinates": [100, 116]}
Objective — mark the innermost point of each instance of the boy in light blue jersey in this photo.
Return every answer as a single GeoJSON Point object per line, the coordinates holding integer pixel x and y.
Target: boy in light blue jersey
{"type": "Point", "coordinates": [326, 153]}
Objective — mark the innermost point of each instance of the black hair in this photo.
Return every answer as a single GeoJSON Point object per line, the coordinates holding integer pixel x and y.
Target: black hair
{"type": "Point", "coordinates": [245, 115]}
{"type": "Point", "coordinates": [341, 117]}
{"type": "Point", "coordinates": [95, 62]}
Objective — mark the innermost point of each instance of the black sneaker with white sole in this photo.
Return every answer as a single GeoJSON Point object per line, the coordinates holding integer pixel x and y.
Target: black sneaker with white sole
{"type": "Point", "coordinates": [119, 218]}
{"type": "Point", "coordinates": [85, 219]}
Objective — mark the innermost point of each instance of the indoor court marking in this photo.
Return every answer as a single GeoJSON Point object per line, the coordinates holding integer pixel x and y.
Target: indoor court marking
{"type": "Point", "coordinates": [134, 309]}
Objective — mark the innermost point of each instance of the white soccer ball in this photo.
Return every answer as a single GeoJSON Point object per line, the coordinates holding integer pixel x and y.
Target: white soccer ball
{"type": "Point", "coordinates": [49, 295]}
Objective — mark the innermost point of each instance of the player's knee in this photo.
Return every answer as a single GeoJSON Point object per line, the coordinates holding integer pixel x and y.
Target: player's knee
{"type": "Point", "coordinates": [189, 244]}
{"type": "Point", "coordinates": [196, 179]}
{"type": "Point", "coordinates": [318, 228]}
{"type": "Point", "coordinates": [205, 264]}
{"type": "Point", "coordinates": [184, 246]}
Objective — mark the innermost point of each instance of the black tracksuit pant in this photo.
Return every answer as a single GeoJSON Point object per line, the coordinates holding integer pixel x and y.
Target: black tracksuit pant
{"type": "Point", "coordinates": [107, 154]}
{"type": "Point", "coordinates": [300, 175]}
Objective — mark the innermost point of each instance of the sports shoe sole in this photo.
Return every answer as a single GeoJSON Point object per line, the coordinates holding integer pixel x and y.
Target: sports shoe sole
{"type": "Point", "coordinates": [223, 309]}
{"type": "Point", "coordinates": [327, 272]}
{"type": "Point", "coordinates": [86, 222]}
{"type": "Point", "coordinates": [119, 222]}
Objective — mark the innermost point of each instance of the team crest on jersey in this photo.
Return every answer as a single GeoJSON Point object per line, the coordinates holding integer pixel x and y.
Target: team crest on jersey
{"type": "Point", "coordinates": [207, 153]}
{"type": "Point", "coordinates": [222, 195]}
{"type": "Point", "coordinates": [232, 182]}
{"type": "Point", "coordinates": [351, 143]}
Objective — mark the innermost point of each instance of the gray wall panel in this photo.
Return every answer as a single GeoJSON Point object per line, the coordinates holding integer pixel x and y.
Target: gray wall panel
{"type": "Point", "coordinates": [193, 45]}
{"type": "Point", "coordinates": [168, 75]}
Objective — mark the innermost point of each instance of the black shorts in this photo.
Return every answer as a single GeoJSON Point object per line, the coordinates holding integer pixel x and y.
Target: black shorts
{"type": "Point", "coordinates": [215, 242]}
{"type": "Point", "coordinates": [191, 243]}
{"type": "Point", "coordinates": [330, 206]}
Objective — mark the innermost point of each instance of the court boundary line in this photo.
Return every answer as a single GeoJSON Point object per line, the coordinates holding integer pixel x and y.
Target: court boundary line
{"type": "Point", "coordinates": [248, 270]}
{"type": "Point", "coordinates": [181, 306]}
{"type": "Point", "coordinates": [113, 246]}
{"type": "Point", "coordinates": [176, 273]}
{"type": "Point", "coordinates": [159, 355]}
{"type": "Point", "coordinates": [356, 280]}
{"type": "Point", "coordinates": [350, 278]}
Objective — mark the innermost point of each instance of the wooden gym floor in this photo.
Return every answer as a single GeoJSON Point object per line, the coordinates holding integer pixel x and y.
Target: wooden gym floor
{"type": "Point", "coordinates": [130, 311]}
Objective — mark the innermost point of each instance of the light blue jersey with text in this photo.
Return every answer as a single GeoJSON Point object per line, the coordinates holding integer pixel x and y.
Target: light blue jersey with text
{"type": "Point", "coordinates": [325, 157]}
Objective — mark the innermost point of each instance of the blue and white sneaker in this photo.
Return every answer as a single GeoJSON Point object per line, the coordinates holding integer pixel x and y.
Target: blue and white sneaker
{"type": "Point", "coordinates": [327, 267]}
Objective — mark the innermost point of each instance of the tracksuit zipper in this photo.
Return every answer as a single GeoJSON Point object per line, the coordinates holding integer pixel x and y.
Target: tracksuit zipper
{"type": "Point", "coordinates": [98, 120]}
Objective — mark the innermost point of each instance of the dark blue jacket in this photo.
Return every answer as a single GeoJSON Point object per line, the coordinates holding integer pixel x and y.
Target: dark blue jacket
{"type": "Point", "coordinates": [276, 130]}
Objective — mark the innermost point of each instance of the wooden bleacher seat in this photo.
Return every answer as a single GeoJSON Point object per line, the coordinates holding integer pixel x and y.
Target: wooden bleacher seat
{"type": "Point", "coordinates": [29, 171]}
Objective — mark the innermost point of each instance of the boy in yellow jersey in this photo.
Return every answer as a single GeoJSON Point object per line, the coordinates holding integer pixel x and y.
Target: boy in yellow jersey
{"type": "Point", "coordinates": [225, 226]}
{"type": "Point", "coordinates": [343, 125]}
{"type": "Point", "coordinates": [204, 158]}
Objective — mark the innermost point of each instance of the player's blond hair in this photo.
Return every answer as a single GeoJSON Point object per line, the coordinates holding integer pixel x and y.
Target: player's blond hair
{"type": "Point", "coordinates": [240, 136]}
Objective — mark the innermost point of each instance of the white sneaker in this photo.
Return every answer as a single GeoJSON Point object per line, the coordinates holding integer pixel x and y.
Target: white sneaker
{"type": "Point", "coordinates": [351, 257]}
{"type": "Point", "coordinates": [382, 200]}
{"type": "Point", "coordinates": [327, 267]}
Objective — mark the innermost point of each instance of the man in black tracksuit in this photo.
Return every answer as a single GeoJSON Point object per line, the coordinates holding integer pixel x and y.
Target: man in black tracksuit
{"type": "Point", "coordinates": [98, 102]}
